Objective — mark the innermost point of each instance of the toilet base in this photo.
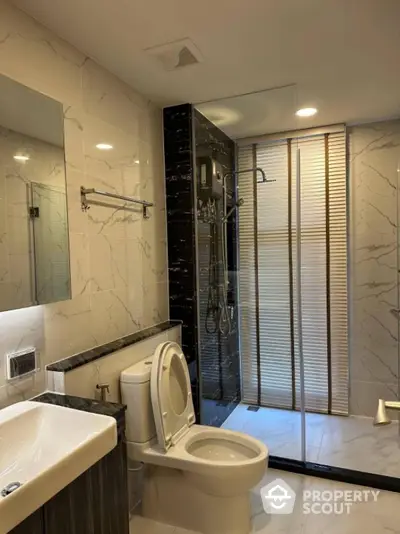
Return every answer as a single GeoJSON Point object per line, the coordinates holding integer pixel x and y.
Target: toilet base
{"type": "Point", "coordinates": [169, 497]}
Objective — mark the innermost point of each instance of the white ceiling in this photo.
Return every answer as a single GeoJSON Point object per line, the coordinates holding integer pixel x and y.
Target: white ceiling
{"type": "Point", "coordinates": [256, 113]}
{"type": "Point", "coordinates": [343, 55]}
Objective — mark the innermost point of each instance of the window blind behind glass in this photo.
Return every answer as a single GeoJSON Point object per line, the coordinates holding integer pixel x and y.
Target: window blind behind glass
{"type": "Point", "coordinates": [323, 172]}
{"type": "Point", "coordinates": [246, 279]}
{"type": "Point", "coordinates": [313, 272]}
{"type": "Point", "coordinates": [273, 275]}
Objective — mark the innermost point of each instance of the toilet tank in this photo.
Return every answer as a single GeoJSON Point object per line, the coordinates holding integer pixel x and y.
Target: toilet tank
{"type": "Point", "coordinates": [135, 393]}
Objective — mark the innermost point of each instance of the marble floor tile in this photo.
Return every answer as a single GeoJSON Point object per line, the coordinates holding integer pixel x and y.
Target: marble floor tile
{"type": "Point", "coordinates": [179, 530]}
{"type": "Point", "coordinates": [142, 525]}
{"type": "Point", "coordinates": [350, 442]}
{"type": "Point", "coordinates": [380, 516]}
{"type": "Point", "coordinates": [369, 517]}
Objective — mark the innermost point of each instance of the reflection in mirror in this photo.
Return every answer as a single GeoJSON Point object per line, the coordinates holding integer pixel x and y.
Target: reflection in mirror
{"type": "Point", "coordinates": [34, 251]}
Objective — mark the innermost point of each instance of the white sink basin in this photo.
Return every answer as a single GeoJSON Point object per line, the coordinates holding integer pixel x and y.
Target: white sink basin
{"type": "Point", "coordinates": [45, 447]}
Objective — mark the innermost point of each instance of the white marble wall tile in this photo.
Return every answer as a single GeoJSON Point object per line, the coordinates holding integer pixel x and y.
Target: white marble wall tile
{"type": "Point", "coordinates": [364, 396]}
{"type": "Point", "coordinates": [82, 381]}
{"type": "Point", "coordinates": [4, 258]}
{"type": "Point", "coordinates": [23, 389]}
{"type": "Point", "coordinates": [80, 264]}
{"type": "Point", "coordinates": [109, 315]}
{"type": "Point", "coordinates": [154, 240]}
{"type": "Point", "coordinates": [21, 329]}
{"type": "Point", "coordinates": [73, 137]}
{"type": "Point", "coordinates": [136, 302]}
{"type": "Point", "coordinates": [108, 164]}
{"type": "Point", "coordinates": [18, 229]}
{"type": "Point", "coordinates": [110, 99]}
{"type": "Point", "coordinates": [45, 166]}
{"type": "Point", "coordinates": [34, 56]}
{"type": "Point", "coordinates": [21, 292]}
{"type": "Point", "coordinates": [116, 171]}
{"type": "Point", "coordinates": [67, 328]}
{"type": "Point", "coordinates": [374, 152]}
{"type": "Point", "coordinates": [78, 221]}
{"type": "Point", "coordinates": [118, 260]}
{"type": "Point", "coordinates": [149, 122]}
{"type": "Point", "coordinates": [108, 264]}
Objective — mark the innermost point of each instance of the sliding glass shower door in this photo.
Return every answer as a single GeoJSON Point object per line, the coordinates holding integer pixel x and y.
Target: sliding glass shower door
{"type": "Point", "coordinates": [268, 337]}
{"type": "Point", "coordinates": [258, 409]}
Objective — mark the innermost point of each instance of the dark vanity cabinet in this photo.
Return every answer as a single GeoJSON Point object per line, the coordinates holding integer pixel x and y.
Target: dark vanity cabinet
{"type": "Point", "coordinates": [32, 524]}
{"type": "Point", "coordinates": [94, 503]}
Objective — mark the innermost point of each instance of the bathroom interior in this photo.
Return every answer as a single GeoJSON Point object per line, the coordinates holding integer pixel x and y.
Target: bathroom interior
{"type": "Point", "coordinates": [199, 282]}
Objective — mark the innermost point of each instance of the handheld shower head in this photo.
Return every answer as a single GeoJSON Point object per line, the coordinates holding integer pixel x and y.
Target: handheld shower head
{"type": "Point", "coordinates": [239, 203]}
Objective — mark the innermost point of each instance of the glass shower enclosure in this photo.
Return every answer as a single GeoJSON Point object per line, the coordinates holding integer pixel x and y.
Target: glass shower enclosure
{"type": "Point", "coordinates": [313, 279]}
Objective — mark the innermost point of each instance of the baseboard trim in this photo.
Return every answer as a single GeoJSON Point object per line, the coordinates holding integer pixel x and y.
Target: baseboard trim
{"type": "Point", "coordinates": [339, 474]}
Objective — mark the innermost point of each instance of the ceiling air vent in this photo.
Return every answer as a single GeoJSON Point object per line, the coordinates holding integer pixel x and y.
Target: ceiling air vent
{"type": "Point", "coordinates": [176, 55]}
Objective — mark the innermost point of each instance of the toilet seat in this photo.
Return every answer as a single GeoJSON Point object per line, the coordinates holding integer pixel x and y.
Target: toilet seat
{"type": "Point", "coordinates": [183, 456]}
{"type": "Point", "coordinates": [225, 475]}
{"type": "Point", "coordinates": [171, 394]}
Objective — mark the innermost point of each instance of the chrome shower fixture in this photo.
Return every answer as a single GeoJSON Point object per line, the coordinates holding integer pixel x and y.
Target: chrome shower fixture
{"type": "Point", "coordinates": [381, 417]}
{"type": "Point", "coordinates": [254, 169]}
{"type": "Point", "coordinates": [239, 203]}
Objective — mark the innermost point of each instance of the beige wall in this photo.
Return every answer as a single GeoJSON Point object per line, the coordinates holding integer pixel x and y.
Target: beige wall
{"type": "Point", "coordinates": [118, 260]}
{"type": "Point", "coordinates": [374, 160]}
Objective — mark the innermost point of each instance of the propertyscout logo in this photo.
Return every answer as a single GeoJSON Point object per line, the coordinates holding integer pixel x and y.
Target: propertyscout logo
{"type": "Point", "coordinates": [279, 498]}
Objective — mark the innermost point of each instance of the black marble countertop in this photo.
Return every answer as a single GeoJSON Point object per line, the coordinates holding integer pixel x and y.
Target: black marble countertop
{"type": "Point", "coordinates": [111, 409]}
{"type": "Point", "coordinates": [68, 364]}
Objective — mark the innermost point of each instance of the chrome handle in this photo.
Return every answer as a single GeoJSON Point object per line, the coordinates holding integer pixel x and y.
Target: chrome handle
{"type": "Point", "coordinates": [104, 389]}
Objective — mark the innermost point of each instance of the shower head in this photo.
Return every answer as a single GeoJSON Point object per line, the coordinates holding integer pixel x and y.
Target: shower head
{"type": "Point", "coordinates": [254, 169]}
{"type": "Point", "coordinates": [381, 417]}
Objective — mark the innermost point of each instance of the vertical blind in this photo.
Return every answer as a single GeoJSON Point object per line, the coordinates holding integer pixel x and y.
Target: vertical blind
{"type": "Point", "coordinates": [267, 278]}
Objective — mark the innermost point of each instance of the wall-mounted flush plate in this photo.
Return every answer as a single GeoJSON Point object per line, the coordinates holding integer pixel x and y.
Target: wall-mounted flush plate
{"type": "Point", "coordinates": [21, 363]}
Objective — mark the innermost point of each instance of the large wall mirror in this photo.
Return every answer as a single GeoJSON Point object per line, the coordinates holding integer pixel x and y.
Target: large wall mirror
{"type": "Point", "coordinates": [34, 244]}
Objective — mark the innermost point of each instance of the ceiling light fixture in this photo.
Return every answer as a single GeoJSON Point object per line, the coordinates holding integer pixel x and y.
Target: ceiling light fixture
{"type": "Point", "coordinates": [21, 157]}
{"type": "Point", "coordinates": [306, 112]}
{"type": "Point", "coordinates": [104, 146]}
{"type": "Point", "coordinates": [137, 161]}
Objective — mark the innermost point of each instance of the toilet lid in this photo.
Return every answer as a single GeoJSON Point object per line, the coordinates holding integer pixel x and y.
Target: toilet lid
{"type": "Point", "coordinates": [171, 394]}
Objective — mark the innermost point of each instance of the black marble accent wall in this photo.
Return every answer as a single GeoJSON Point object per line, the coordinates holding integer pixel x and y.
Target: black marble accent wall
{"type": "Point", "coordinates": [219, 350]}
{"type": "Point", "coordinates": [178, 149]}
{"type": "Point", "coordinates": [213, 356]}
{"type": "Point", "coordinates": [179, 172]}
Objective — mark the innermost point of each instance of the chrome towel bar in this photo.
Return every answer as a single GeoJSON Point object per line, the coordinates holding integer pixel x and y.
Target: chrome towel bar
{"type": "Point", "coordinates": [92, 191]}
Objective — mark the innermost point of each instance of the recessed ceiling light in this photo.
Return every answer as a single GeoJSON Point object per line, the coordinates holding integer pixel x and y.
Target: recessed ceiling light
{"type": "Point", "coordinates": [21, 157]}
{"type": "Point", "coordinates": [104, 146]}
{"type": "Point", "coordinates": [306, 112]}
{"type": "Point", "coordinates": [137, 161]}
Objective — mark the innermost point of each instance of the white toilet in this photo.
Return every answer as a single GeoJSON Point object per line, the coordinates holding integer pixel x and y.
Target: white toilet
{"type": "Point", "coordinates": [198, 477]}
